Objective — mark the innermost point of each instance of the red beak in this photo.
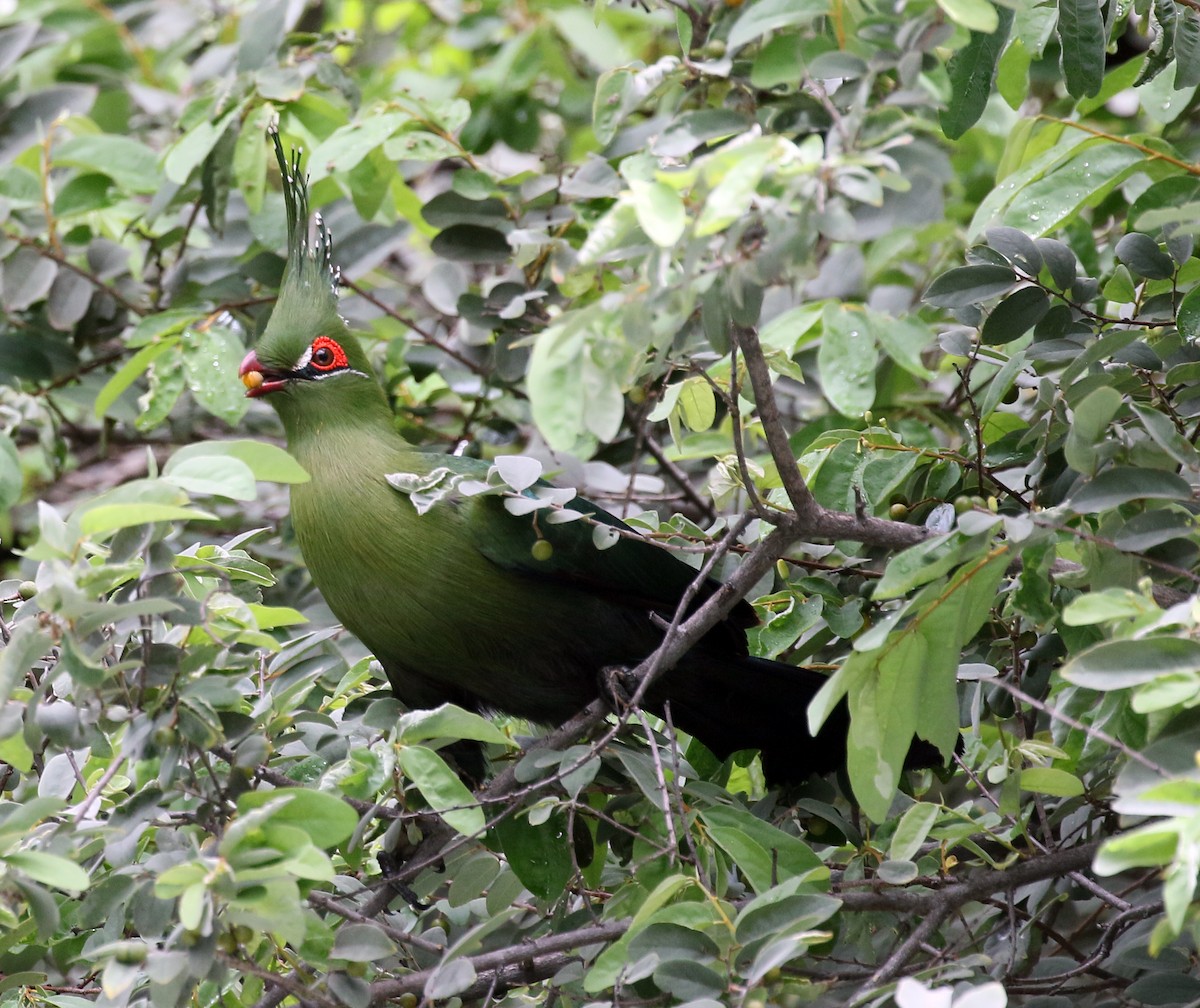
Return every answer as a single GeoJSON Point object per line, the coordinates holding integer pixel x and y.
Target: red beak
{"type": "Point", "coordinates": [258, 379]}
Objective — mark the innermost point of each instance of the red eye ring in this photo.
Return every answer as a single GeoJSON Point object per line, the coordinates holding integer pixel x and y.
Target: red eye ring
{"type": "Point", "coordinates": [327, 354]}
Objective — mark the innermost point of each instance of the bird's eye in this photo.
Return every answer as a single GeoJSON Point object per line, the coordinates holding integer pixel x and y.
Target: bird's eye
{"type": "Point", "coordinates": [327, 354]}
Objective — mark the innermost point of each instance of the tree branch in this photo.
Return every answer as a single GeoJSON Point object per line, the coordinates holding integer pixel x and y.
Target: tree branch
{"type": "Point", "coordinates": [815, 521]}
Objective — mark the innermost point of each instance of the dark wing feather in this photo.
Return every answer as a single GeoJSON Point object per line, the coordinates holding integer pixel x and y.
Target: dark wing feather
{"type": "Point", "coordinates": [633, 571]}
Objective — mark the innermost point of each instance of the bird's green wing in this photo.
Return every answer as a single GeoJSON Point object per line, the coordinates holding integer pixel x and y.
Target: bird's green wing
{"type": "Point", "coordinates": [597, 552]}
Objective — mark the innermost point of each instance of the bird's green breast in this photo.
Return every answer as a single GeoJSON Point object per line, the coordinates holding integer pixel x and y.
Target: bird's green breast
{"type": "Point", "coordinates": [445, 621]}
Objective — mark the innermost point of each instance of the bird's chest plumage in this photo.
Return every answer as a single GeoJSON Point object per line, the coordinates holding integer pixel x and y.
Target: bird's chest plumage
{"type": "Point", "coordinates": [390, 575]}
{"type": "Point", "coordinates": [446, 622]}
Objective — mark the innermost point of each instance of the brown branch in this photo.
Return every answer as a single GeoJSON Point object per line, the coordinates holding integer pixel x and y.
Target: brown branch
{"type": "Point", "coordinates": [539, 959]}
{"type": "Point", "coordinates": [815, 521]}
{"type": "Point", "coordinates": [426, 336]}
{"type": "Point", "coordinates": [65, 263]}
{"type": "Point", "coordinates": [514, 966]}
{"type": "Point", "coordinates": [939, 904]}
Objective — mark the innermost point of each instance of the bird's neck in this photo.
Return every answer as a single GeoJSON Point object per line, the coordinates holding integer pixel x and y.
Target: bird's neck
{"type": "Point", "coordinates": [356, 421]}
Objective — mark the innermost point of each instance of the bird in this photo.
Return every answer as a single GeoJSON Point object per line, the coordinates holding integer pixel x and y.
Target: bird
{"type": "Point", "coordinates": [469, 603]}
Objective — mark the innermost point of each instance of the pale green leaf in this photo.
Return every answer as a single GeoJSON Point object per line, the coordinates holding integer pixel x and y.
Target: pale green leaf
{"type": "Point", "coordinates": [443, 790]}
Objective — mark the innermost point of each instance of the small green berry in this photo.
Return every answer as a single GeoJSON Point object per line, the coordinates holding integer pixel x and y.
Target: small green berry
{"type": "Point", "coordinates": [542, 550]}
{"type": "Point", "coordinates": [27, 589]}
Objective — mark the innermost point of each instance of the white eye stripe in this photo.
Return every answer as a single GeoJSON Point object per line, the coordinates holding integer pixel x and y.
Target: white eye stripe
{"type": "Point", "coordinates": [302, 363]}
{"type": "Point", "coordinates": [321, 376]}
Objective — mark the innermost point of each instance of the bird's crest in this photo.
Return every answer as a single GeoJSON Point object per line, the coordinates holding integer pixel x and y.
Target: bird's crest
{"type": "Point", "coordinates": [310, 243]}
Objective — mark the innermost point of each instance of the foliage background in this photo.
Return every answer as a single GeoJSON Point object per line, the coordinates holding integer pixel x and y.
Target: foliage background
{"type": "Point", "coordinates": [939, 254]}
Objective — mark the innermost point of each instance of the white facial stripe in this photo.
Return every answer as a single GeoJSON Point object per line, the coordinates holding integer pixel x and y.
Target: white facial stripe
{"type": "Point", "coordinates": [302, 363]}
{"type": "Point", "coordinates": [321, 376]}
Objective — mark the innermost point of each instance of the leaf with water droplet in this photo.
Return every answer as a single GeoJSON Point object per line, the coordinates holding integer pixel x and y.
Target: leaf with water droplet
{"type": "Point", "coordinates": [210, 363]}
{"type": "Point", "coordinates": [846, 359]}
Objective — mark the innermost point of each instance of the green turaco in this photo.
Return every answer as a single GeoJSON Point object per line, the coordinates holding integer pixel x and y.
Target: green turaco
{"type": "Point", "coordinates": [465, 603]}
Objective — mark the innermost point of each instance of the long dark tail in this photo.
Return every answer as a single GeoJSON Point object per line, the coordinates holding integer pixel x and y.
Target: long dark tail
{"type": "Point", "coordinates": [733, 702]}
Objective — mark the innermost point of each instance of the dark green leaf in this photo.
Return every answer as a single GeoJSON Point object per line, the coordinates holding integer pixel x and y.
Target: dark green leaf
{"type": "Point", "coordinates": [1059, 260]}
{"type": "Point", "coordinates": [969, 285]}
{"type": "Point", "coordinates": [1013, 317]}
{"type": "Point", "coordinates": [1143, 256]}
{"type": "Point", "coordinates": [1082, 37]}
{"type": "Point", "coordinates": [972, 71]}
{"type": "Point", "coordinates": [1188, 318]}
{"type": "Point", "coordinates": [1187, 48]}
{"type": "Point", "coordinates": [540, 855]}
{"type": "Point", "coordinates": [1122, 484]}
{"type": "Point", "coordinates": [471, 243]}
{"type": "Point", "coordinates": [1017, 247]}
{"type": "Point", "coordinates": [450, 208]}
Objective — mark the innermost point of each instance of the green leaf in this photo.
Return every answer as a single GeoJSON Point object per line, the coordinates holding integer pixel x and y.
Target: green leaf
{"type": "Point", "coordinates": [128, 162]}
{"type": "Point", "coordinates": [1188, 318]}
{"type": "Point", "coordinates": [106, 518]}
{"type": "Point", "coordinates": [267, 462]}
{"type": "Point", "coordinates": [185, 155]}
{"type": "Point", "coordinates": [1165, 434]}
{"type": "Point", "coordinates": [1142, 255]}
{"type": "Point", "coordinates": [27, 644]}
{"type": "Point", "coordinates": [1051, 781]}
{"type": "Point", "coordinates": [49, 869]}
{"type": "Point", "coordinates": [897, 872]}
{"type": "Point", "coordinates": [1145, 847]}
{"type": "Point", "coordinates": [128, 373]}
{"type": "Point", "coordinates": [361, 943]}
{"type": "Point", "coordinates": [449, 208]}
{"type": "Point", "coordinates": [471, 243]}
{"type": "Point", "coordinates": [210, 362]}
{"type": "Point", "coordinates": [1122, 484]}
{"type": "Point", "coordinates": [213, 475]}
{"type": "Point", "coordinates": [977, 15]}
{"type": "Point", "coordinates": [572, 396]}
{"type": "Point", "coordinates": [1085, 437]}
{"type": "Point", "coordinates": [660, 211]}
{"type": "Point", "coordinates": [697, 404]}
{"type": "Point", "coordinates": [972, 70]}
{"type": "Point", "coordinates": [911, 831]}
{"type": "Point", "coordinates": [763, 853]}
{"type": "Point", "coordinates": [325, 818]}
{"type": "Point", "coordinates": [737, 179]}
{"type": "Point", "coordinates": [539, 855]}
{"type": "Point", "coordinates": [1085, 179]}
{"type": "Point", "coordinates": [1105, 606]}
{"type": "Point", "coordinates": [1119, 664]}
{"type": "Point", "coordinates": [12, 479]}
{"type": "Point", "coordinates": [1082, 37]}
{"type": "Point", "coordinates": [346, 146]}
{"type": "Point", "coordinates": [440, 786]}
{"type": "Point", "coordinates": [847, 359]}
{"type": "Point", "coordinates": [1014, 316]}
{"type": "Point", "coordinates": [448, 721]}
{"type": "Point", "coordinates": [1017, 247]}
{"type": "Point", "coordinates": [964, 286]}
{"type": "Point", "coordinates": [449, 978]}
{"type": "Point", "coordinates": [767, 16]}
{"type": "Point", "coordinates": [907, 683]}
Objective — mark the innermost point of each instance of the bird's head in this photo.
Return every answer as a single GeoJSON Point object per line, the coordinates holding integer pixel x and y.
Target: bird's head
{"type": "Point", "coordinates": [307, 353]}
